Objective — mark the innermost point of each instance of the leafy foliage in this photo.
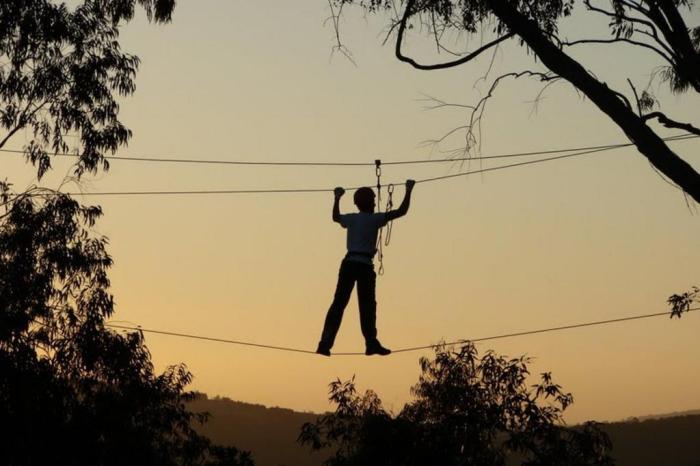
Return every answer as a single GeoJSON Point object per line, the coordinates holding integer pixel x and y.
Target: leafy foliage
{"type": "Point", "coordinates": [466, 410]}
{"type": "Point", "coordinates": [71, 390]}
{"type": "Point", "coordinates": [680, 303]}
{"type": "Point", "coordinates": [471, 15]}
{"type": "Point", "coordinates": [663, 25]}
{"type": "Point", "coordinates": [61, 70]}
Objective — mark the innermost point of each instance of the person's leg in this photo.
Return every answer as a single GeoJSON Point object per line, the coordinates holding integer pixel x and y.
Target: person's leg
{"type": "Point", "coordinates": [346, 281]}
{"type": "Point", "coordinates": [366, 286]}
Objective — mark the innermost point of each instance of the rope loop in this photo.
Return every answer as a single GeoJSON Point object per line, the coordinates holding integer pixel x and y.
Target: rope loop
{"type": "Point", "coordinates": [380, 258]}
{"type": "Point", "coordinates": [389, 207]}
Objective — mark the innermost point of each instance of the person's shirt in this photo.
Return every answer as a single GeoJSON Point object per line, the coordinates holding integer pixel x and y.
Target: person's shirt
{"type": "Point", "coordinates": [363, 228]}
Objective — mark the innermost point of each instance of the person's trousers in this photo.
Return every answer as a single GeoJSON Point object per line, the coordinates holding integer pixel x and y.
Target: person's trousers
{"type": "Point", "coordinates": [363, 274]}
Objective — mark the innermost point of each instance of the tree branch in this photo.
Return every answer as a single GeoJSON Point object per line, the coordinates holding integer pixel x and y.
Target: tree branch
{"type": "Point", "coordinates": [658, 18]}
{"type": "Point", "coordinates": [558, 61]}
{"type": "Point", "coordinates": [652, 33]}
{"type": "Point", "coordinates": [669, 123]}
{"type": "Point", "coordinates": [438, 103]}
{"type": "Point", "coordinates": [623, 40]}
{"type": "Point", "coordinates": [612, 14]}
{"type": "Point", "coordinates": [22, 121]}
{"type": "Point", "coordinates": [636, 97]}
{"type": "Point", "coordinates": [636, 7]}
{"type": "Point", "coordinates": [679, 39]}
{"type": "Point", "coordinates": [476, 112]}
{"type": "Point", "coordinates": [335, 19]}
{"type": "Point", "coordinates": [399, 40]}
{"type": "Point", "coordinates": [678, 26]}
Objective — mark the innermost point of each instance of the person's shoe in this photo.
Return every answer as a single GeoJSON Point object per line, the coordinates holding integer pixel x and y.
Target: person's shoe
{"type": "Point", "coordinates": [376, 348]}
{"type": "Point", "coordinates": [323, 349]}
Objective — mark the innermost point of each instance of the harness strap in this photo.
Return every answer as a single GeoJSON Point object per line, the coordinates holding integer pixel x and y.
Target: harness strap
{"type": "Point", "coordinates": [360, 253]}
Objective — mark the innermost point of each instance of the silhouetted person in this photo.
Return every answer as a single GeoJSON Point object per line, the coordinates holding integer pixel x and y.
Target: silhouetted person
{"type": "Point", "coordinates": [357, 266]}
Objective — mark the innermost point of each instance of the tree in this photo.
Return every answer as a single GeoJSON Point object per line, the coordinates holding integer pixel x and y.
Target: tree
{"type": "Point", "coordinates": [61, 70]}
{"type": "Point", "coordinates": [466, 410]}
{"type": "Point", "coordinates": [655, 26]}
{"type": "Point", "coordinates": [71, 390]}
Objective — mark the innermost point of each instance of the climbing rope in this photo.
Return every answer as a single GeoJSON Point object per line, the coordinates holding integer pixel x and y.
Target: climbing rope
{"type": "Point", "coordinates": [389, 207]}
{"type": "Point", "coordinates": [380, 242]}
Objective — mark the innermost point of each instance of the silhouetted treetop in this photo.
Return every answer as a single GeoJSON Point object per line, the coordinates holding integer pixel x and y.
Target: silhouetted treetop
{"type": "Point", "coordinates": [71, 390]}
{"type": "Point", "coordinates": [61, 70]}
{"type": "Point", "coordinates": [466, 410]}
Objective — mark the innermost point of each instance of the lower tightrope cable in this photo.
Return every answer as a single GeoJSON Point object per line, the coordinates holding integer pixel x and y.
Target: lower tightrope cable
{"type": "Point", "coordinates": [219, 340]}
{"type": "Point", "coordinates": [401, 350]}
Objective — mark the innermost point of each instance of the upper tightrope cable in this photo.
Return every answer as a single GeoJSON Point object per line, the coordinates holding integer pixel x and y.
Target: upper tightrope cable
{"type": "Point", "coordinates": [400, 350]}
{"type": "Point", "coordinates": [349, 164]}
{"type": "Point", "coordinates": [586, 151]}
{"type": "Point", "coordinates": [321, 190]}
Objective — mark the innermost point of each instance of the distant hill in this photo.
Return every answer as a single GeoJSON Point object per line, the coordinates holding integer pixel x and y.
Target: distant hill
{"type": "Point", "coordinates": [663, 416]}
{"type": "Point", "coordinates": [669, 441]}
{"type": "Point", "coordinates": [271, 433]}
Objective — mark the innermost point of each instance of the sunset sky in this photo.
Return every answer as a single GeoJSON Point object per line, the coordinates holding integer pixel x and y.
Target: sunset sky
{"type": "Point", "coordinates": [583, 239]}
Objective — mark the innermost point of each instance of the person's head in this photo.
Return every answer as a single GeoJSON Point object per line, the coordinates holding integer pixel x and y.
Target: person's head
{"type": "Point", "coordinates": [364, 199]}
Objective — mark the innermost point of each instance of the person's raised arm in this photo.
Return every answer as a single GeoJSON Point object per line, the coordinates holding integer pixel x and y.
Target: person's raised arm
{"type": "Point", "coordinates": [338, 193]}
{"type": "Point", "coordinates": [405, 204]}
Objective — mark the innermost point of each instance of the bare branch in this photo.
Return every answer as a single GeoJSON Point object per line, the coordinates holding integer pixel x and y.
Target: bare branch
{"type": "Point", "coordinates": [445, 49]}
{"type": "Point", "coordinates": [435, 33]}
{"type": "Point", "coordinates": [636, 7]}
{"type": "Point", "coordinates": [655, 37]}
{"type": "Point", "coordinates": [441, 103]}
{"type": "Point", "coordinates": [472, 127]}
{"type": "Point", "coordinates": [490, 67]}
{"type": "Point", "coordinates": [399, 40]}
{"type": "Point", "coordinates": [669, 123]}
{"type": "Point", "coordinates": [612, 14]}
{"type": "Point", "coordinates": [621, 40]}
{"type": "Point", "coordinates": [480, 108]}
{"type": "Point", "coordinates": [436, 142]}
{"type": "Point", "coordinates": [636, 97]}
{"type": "Point", "coordinates": [652, 33]}
{"type": "Point", "coordinates": [335, 19]}
{"type": "Point", "coordinates": [540, 95]}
